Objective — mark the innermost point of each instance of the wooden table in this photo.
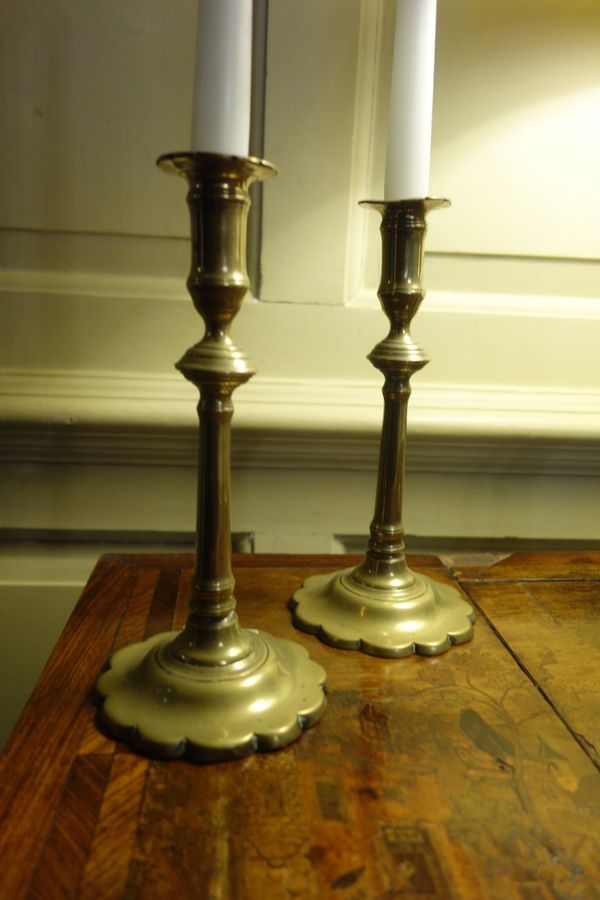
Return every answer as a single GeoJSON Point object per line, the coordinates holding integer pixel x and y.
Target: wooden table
{"type": "Point", "coordinates": [473, 774]}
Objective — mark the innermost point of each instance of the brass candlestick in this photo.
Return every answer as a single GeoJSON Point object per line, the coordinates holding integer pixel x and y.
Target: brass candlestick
{"type": "Point", "coordinates": [214, 690]}
{"type": "Point", "coordinates": [382, 607]}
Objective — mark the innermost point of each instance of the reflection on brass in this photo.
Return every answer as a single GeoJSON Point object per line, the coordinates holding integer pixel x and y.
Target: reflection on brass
{"type": "Point", "coordinates": [214, 690]}
{"type": "Point", "coordinates": [382, 607]}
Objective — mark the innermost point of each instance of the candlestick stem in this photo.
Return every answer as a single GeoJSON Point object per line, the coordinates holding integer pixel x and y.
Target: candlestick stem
{"type": "Point", "coordinates": [214, 690]}
{"type": "Point", "coordinates": [381, 606]}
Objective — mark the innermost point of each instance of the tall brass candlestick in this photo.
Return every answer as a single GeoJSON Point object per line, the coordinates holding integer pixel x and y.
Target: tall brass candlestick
{"type": "Point", "coordinates": [382, 607]}
{"type": "Point", "coordinates": [215, 690]}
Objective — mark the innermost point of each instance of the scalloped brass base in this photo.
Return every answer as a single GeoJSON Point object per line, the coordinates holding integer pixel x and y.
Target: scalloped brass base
{"type": "Point", "coordinates": [420, 616]}
{"type": "Point", "coordinates": [168, 708]}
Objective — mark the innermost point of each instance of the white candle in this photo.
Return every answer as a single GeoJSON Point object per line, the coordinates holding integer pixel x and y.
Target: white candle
{"type": "Point", "coordinates": [411, 101]}
{"type": "Point", "coordinates": [221, 118]}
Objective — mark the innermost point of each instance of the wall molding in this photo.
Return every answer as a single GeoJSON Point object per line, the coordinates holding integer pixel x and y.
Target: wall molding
{"type": "Point", "coordinates": [492, 405]}
{"type": "Point", "coordinates": [514, 305]}
{"type": "Point", "coordinates": [110, 417]}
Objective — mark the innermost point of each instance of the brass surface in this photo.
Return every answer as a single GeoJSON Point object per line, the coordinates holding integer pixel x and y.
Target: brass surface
{"type": "Point", "coordinates": [213, 690]}
{"type": "Point", "coordinates": [168, 708]}
{"type": "Point", "coordinates": [382, 607]}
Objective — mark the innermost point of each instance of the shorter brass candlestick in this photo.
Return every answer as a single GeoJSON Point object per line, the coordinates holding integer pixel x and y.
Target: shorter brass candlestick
{"type": "Point", "coordinates": [213, 691]}
{"type": "Point", "coordinates": [382, 607]}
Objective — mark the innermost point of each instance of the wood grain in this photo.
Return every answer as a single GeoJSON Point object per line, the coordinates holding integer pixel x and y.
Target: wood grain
{"type": "Point", "coordinates": [553, 629]}
{"type": "Point", "coordinates": [560, 565]}
{"type": "Point", "coordinates": [107, 866]}
{"type": "Point", "coordinates": [37, 760]}
{"type": "Point", "coordinates": [443, 777]}
{"type": "Point", "coordinates": [73, 829]}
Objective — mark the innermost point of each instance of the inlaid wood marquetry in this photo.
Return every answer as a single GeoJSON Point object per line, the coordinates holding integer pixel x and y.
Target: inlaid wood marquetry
{"type": "Point", "coordinates": [469, 775]}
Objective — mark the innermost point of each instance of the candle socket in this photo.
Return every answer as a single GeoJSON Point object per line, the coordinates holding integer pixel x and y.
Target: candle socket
{"type": "Point", "coordinates": [381, 607]}
{"type": "Point", "coordinates": [214, 690]}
